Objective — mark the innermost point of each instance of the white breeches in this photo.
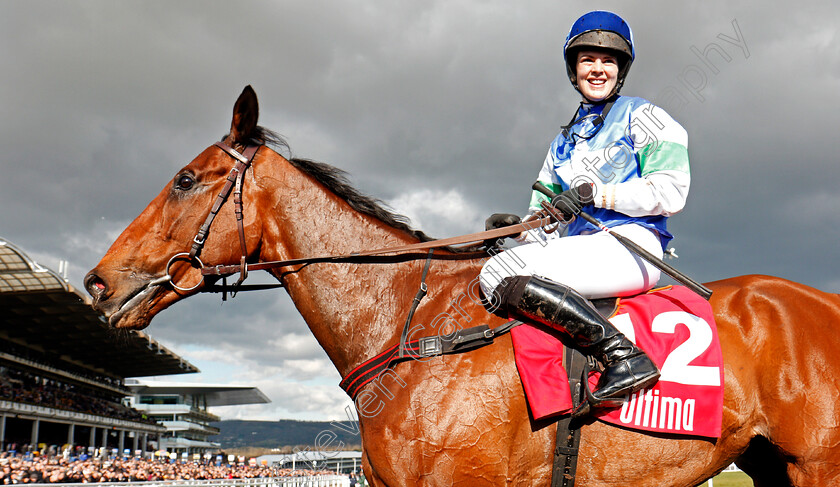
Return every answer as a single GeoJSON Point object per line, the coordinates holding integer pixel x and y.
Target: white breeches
{"type": "Point", "coordinates": [595, 265]}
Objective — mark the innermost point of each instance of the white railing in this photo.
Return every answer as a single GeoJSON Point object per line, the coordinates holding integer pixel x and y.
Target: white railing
{"type": "Point", "coordinates": [313, 481]}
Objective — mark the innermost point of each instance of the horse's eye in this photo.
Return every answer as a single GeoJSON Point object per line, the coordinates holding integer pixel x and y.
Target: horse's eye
{"type": "Point", "coordinates": [184, 181]}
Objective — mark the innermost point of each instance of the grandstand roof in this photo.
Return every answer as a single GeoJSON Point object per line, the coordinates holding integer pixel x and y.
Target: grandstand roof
{"type": "Point", "coordinates": [215, 394]}
{"type": "Point", "coordinates": [40, 311]}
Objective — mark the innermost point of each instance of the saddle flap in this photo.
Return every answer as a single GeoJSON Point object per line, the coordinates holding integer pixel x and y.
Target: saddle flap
{"type": "Point", "coordinates": [606, 306]}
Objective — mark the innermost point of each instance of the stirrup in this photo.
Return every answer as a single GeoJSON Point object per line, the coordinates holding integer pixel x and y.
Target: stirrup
{"type": "Point", "coordinates": [616, 402]}
{"type": "Point", "coordinates": [582, 409]}
{"type": "Point", "coordinates": [589, 401]}
{"type": "Point", "coordinates": [594, 402]}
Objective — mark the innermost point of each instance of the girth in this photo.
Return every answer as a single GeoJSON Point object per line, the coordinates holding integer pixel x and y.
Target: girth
{"type": "Point", "coordinates": [461, 341]}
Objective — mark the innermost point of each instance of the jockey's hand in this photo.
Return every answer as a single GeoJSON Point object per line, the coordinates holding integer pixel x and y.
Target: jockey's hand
{"type": "Point", "coordinates": [571, 201]}
{"type": "Point", "coordinates": [498, 220]}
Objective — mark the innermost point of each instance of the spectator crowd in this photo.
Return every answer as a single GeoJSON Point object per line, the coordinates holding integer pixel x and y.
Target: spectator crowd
{"type": "Point", "coordinates": [29, 469]}
{"type": "Point", "coordinates": [27, 388]}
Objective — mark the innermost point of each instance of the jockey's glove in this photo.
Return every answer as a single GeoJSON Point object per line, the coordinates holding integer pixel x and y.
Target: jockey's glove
{"type": "Point", "coordinates": [499, 220]}
{"type": "Point", "coordinates": [571, 201]}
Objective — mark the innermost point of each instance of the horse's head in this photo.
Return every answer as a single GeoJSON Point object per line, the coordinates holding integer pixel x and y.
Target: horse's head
{"type": "Point", "coordinates": [149, 266]}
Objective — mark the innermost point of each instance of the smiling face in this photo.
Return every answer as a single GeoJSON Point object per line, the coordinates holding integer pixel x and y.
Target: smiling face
{"type": "Point", "coordinates": [597, 74]}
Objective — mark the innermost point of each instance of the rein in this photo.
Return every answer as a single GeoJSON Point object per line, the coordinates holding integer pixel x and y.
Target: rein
{"type": "Point", "coordinates": [362, 256]}
{"type": "Point", "coordinates": [235, 180]}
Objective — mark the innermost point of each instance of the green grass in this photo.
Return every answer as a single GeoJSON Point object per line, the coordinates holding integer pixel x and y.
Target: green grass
{"type": "Point", "coordinates": [731, 479]}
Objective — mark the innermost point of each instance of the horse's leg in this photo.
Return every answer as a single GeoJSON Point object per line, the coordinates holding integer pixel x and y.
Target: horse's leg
{"type": "Point", "coordinates": [768, 467]}
{"type": "Point", "coordinates": [814, 460]}
{"type": "Point", "coordinates": [804, 428]}
{"type": "Point", "coordinates": [814, 473]}
{"type": "Point", "coordinates": [375, 481]}
{"type": "Point", "coordinates": [370, 475]}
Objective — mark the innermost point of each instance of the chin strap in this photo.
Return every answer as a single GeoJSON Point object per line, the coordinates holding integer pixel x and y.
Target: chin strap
{"type": "Point", "coordinates": [598, 122]}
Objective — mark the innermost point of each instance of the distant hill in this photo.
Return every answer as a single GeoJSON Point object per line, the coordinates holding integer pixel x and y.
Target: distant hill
{"type": "Point", "coordinates": [287, 433]}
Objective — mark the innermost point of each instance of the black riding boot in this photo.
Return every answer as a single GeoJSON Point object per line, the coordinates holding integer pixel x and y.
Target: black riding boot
{"type": "Point", "coordinates": [626, 367]}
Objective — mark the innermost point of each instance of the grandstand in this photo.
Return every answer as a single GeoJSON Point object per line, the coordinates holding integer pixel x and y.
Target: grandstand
{"type": "Point", "coordinates": [182, 408]}
{"type": "Point", "coordinates": [62, 370]}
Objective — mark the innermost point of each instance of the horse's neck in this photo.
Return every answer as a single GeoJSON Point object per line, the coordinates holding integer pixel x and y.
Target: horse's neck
{"type": "Point", "coordinates": [352, 309]}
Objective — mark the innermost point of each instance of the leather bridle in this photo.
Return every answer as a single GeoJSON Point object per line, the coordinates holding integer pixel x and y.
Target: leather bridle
{"type": "Point", "coordinates": [234, 183]}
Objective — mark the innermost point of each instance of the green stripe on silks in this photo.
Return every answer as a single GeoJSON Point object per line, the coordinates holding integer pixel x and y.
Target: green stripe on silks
{"type": "Point", "coordinates": [663, 156]}
{"type": "Point", "coordinates": [537, 197]}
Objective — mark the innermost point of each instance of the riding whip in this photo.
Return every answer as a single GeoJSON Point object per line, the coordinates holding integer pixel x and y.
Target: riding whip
{"type": "Point", "coordinates": [632, 246]}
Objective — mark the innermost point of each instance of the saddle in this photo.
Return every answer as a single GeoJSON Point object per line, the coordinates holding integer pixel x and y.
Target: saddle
{"type": "Point", "coordinates": [606, 306]}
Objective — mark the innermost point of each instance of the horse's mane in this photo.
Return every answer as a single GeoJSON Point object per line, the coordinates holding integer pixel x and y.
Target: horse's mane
{"type": "Point", "coordinates": [336, 180]}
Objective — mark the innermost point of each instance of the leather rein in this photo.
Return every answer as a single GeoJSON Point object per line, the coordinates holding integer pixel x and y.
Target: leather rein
{"type": "Point", "coordinates": [234, 182]}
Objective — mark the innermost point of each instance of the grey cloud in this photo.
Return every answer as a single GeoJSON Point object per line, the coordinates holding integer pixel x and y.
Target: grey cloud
{"type": "Point", "coordinates": [103, 102]}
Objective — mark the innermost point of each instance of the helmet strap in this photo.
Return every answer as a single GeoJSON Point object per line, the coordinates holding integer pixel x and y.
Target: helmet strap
{"type": "Point", "coordinates": [599, 121]}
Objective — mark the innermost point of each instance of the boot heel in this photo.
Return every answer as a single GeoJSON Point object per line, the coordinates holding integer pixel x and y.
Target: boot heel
{"type": "Point", "coordinates": [626, 376]}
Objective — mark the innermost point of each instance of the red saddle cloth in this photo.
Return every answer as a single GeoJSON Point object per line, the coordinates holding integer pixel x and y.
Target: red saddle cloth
{"type": "Point", "coordinates": [676, 328]}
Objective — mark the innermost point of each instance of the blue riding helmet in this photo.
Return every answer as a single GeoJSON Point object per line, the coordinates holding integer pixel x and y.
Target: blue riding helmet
{"type": "Point", "coordinates": [600, 30]}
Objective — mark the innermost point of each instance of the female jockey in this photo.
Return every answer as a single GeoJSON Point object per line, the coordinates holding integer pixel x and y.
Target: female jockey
{"type": "Point", "coordinates": [624, 161]}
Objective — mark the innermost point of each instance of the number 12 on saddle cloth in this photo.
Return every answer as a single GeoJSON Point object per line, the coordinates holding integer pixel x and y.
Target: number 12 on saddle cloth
{"type": "Point", "coordinates": [677, 329]}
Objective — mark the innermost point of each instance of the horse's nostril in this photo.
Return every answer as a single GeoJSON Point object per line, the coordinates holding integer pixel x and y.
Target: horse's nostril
{"type": "Point", "coordinates": [94, 285]}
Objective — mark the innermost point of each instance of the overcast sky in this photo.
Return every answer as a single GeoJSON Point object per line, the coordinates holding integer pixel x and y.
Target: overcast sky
{"type": "Point", "coordinates": [443, 109]}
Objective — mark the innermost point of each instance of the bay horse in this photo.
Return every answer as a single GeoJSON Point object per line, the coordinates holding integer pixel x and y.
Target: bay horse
{"type": "Point", "coordinates": [462, 420]}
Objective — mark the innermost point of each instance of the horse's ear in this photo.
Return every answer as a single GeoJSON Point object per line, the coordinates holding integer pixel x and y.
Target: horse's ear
{"type": "Point", "coordinates": [246, 111]}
